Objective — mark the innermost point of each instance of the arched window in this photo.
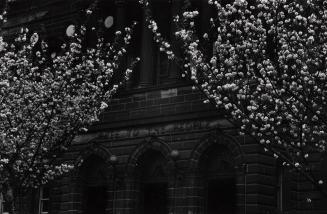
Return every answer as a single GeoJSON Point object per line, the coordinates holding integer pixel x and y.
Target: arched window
{"type": "Point", "coordinates": [218, 181]}
{"type": "Point", "coordinates": [153, 183]}
{"type": "Point", "coordinates": [94, 185]}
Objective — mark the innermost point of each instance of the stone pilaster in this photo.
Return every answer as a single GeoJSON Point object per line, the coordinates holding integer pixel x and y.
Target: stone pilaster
{"type": "Point", "coordinates": [174, 72]}
{"type": "Point", "coordinates": [120, 14]}
{"type": "Point", "coordinates": [146, 73]}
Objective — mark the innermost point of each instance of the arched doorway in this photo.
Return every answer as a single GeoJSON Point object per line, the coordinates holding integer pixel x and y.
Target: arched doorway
{"type": "Point", "coordinates": [94, 185]}
{"type": "Point", "coordinates": [217, 174]}
{"type": "Point", "coordinates": [153, 183]}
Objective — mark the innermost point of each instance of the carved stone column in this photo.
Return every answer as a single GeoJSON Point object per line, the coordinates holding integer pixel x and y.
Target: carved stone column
{"type": "Point", "coordinates": [146, 73]}
{"type": "Point", "coordinates": [120, 14]}
{"type": "Point", "coordinates": [205, 16]}
{"type": "Point", "coordinates": [174, 72]}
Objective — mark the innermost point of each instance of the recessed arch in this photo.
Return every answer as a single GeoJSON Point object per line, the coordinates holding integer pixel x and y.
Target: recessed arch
{"type": "Point", "coordinates": [214, 162]}
{"type": "Point", "coordinates": [94, 181]}
{"type": "Point", "coordinates": [93, 178]}
{"type": "Point", "coordinates": [94, 149]}
{"type": "Point", "coordinates": [216, 138]}
{"type": "Point", "coordinates": [94, 171]}
{"type": "Point", "coordinates": [150, 165]}
{"type": "Point", "coordinates": [152, 143]}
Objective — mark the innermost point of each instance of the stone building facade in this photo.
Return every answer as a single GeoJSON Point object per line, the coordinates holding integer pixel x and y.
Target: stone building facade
{"type": "Point", "coordinates": [159, 149]}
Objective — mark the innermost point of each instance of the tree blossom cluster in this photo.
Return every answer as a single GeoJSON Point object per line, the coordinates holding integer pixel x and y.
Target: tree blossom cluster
{"type": "Point", "coordinates": [164, 45]}
{"type": "Point", "coordinates": [264, 63]}
{"type": "Point", "coordinates": [45, 100]}
{"type": "Point", "coordinates": [3, 13]}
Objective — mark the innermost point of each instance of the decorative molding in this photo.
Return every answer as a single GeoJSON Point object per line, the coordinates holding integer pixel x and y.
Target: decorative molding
{"type": "Point", "coordinates": [156, 130]}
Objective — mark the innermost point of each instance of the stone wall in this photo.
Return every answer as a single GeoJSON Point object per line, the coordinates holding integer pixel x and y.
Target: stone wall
{"type": "Point", "coordinates": [163, 118]}
{"type": "Point", "coordinates": [166, 120]}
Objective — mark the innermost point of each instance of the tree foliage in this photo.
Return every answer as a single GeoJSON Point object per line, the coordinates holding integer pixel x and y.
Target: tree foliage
{"type": "Point", "coordinates": [46, 100]}
{"type": "Point", "coordinates": [264, 63]}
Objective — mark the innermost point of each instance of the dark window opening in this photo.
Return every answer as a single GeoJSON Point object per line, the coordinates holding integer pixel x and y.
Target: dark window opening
{"type": "Point", "coordinates": [283, 189]}
{"type": "Point", "coordinates": [219, 183]}
{"type": "Point", "coordinates": [216, 161]}
{"type": "Point", "coordinates": [94, 185]}
{"type": "Point", "coordinates": [95, 200]}
{"type": "Point", "coordinates": [155, 198]}
{"type": "Point", "coordinates": [152, 173]}
{"type": "Point", "coordinates": [221, 196]}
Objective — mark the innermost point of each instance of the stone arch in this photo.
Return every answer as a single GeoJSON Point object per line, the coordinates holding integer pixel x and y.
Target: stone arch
{"type": "Point", "coordinates": [94, 149]}
{"type": "Point", "coordinates": [82, 179]}
{"type": "Point", "coordinates": [94, 181]}
{"type": "Point", "coordinates": [214, 164]}
{"type": "Point", "coordinates": [149, 169]}
{"type": "Point", "coordinates": [152, 143]}
{"type": "Point", "coordinates": [216, 138]}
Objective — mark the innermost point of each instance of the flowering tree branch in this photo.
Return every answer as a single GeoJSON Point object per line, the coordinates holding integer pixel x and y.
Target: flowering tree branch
{"type": "Point", "coordinates": [264, 64]}
{"type": "Point", "coordinates": [47, 100]}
